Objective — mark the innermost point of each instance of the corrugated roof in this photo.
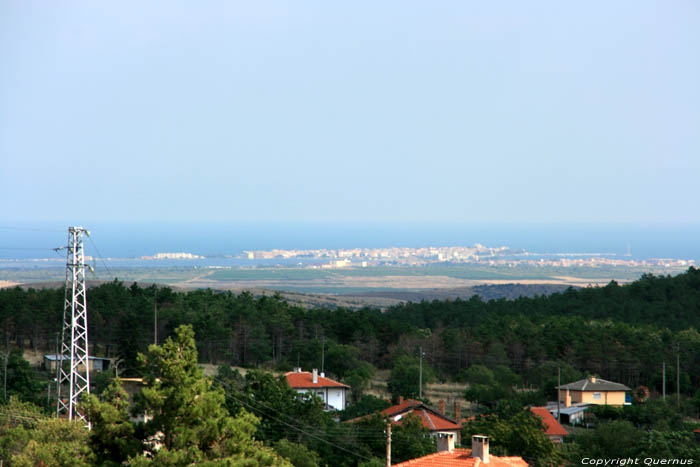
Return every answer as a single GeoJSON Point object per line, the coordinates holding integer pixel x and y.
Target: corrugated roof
{"type": "Point", "coordinates": [597, 385]}
{"type": "Point", "coordinates": [461, 458]}
{"type": "Point", "coordinates": [570, 410]}
{"type": "Point", "coordinates": [54, 357]}
{"type": "Point", "coordinates": [304, 380]}
{"type": "Point", "coordinates": [551, 425]}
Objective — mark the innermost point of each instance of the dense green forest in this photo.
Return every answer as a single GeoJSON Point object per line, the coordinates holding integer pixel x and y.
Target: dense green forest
{"type": "Point", "coordinates": [506, 352]}
{"type": "Point", "coordinates": [621, 333]}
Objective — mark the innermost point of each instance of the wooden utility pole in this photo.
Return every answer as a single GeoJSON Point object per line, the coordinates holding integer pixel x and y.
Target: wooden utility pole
{"type": "Point", "coordinates": [59, 361]}
{"type": "Point", "coordinates": [155, 315]}
{"type": "Point", "coordinates": [678, 376]}
{"type": "Point", "coordinates": [5, 378]}
{"type": "Point", "coordinates": [388, 444]}
{"type": "Point", "coordinates": [559, 394]}
{"type": "Point", "coordinates": [663, 372]}
{"type": "Point", "coordinates": [420, 374]}
{"type": "Point", "coordinates": [4, 371]}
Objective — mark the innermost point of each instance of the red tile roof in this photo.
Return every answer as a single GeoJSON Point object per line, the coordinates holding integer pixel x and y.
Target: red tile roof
{"type": "Point", "coordinates": [398, 408]}
{"type": "Point", "coordinates": [304, 380]}
{"type": "Point", "coordinates": [430, 419]}
{"type": "Point", "coordinates": [461, 458]}
{"type": "Point", "coordinates": [551, 425]}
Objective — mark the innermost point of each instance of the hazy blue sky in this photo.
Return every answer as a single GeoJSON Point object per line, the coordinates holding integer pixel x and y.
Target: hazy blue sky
{"type": "Point", "coordinates": [350, 111]}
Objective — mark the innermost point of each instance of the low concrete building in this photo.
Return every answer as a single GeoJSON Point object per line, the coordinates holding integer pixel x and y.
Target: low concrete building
{"type": "Point", "coordinates": [95, 363]}
{"type": "Point", "coordinates": [133, 386]}
{"type": "Point", "coordinates": [570, 415]}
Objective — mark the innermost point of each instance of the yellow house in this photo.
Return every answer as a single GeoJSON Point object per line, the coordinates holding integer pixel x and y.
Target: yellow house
{"type": "Point", "coordinates": [592, 391]}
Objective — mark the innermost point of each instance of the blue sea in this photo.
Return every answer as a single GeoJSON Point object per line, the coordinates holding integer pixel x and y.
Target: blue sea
{"type": "Point", "coordinates": [123, 240]}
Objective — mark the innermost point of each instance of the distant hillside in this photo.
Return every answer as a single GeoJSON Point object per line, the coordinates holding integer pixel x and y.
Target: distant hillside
{"type": "Point", "coordinates": [486, 292]}
{"type": "Point", "coordinates": [380, 299]}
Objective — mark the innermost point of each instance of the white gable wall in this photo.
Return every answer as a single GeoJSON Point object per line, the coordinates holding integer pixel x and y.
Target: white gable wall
{"type": "Point", "coordinates": [334, 397]}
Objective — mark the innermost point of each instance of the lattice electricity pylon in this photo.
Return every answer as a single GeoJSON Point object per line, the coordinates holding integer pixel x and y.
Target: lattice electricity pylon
{"type": "Point", "coordinates": [71, 382]}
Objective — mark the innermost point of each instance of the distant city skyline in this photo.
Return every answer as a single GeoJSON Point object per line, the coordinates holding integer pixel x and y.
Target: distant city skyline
{"type": "Point", "coordinates": [362, 112]}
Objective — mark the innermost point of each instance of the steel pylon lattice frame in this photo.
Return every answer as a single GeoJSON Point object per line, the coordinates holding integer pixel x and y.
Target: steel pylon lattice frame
{"type": "Point", "coordinates": [71, 382]}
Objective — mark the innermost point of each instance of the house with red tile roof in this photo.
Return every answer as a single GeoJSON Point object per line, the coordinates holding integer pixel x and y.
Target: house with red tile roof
{"type": "Point", "coordinates": [437, 423]}
{"type": "Point", "coordinates": [331, 392]}
{"type": "Point", "coordinates": [552, 428]}
{"type": "Point", "coordinates": [478, 455]}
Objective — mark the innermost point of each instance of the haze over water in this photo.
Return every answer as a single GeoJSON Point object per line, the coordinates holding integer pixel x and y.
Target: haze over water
{"type": "Point", "coordinates": [126, 240]}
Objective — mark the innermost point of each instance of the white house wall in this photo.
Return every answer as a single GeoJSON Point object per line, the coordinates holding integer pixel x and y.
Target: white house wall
{"type": "Point", "coordinates": [333, 397]}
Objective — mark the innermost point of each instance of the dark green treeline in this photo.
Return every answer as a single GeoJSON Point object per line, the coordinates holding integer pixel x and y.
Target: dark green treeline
{"type": "Point", "coordinates": [622, 333]}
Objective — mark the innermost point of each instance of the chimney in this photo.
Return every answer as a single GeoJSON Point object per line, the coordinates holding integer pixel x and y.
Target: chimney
{"type": "Point", "coordinates": [441, 406]}
{"type": "Point", "coordinates": [400, 399]}
{"type": "Point", "coordinates": [445, 442]}
{"type": "Point", "coordinates": [480, 448]}
{"type": "Point", "coordinates": [314, 376]}
{"type": "Point", "coordinates": [458, 411]}
{"type": "Point", "coordinates": [297, 369]}
{"type": "Point", "coordinates": [323, 375]}
{"type": "Point", "coordinates": [592, 379]}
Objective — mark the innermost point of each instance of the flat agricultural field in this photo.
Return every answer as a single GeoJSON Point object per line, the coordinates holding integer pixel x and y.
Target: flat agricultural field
{"type": "Point", "coordinates": [387, 281]}
{"type": "Point", "coordinates": [360, 280]}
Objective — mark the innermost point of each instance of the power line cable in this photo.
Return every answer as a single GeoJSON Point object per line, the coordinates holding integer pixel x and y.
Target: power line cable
{"type": "Point", "coordinates": [260, 402]}
{"type": "Point", "coordinates": [28, 229]}
{"type": "Point", "coordinates": [301, 431]}
{"type": "Point", "coordinates": [288, 424]}
{"type": "Point", "coordinates": [24, 248]}
{"type": "Point", "coordinates": [365, 433]}
{"type": "Point", "coordinates": [99, 255]}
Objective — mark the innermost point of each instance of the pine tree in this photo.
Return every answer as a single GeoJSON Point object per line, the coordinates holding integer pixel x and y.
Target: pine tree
{"type": "Point", "coordinates": [190, 423]}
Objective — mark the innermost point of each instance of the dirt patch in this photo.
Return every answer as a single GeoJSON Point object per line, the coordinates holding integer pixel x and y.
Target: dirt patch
{"type": "Point", "coordinates": [398, 282]}
{"type": "Point", "coordinates": [6, 284]}
{"type": "Point", "coordinates": [34, 358]}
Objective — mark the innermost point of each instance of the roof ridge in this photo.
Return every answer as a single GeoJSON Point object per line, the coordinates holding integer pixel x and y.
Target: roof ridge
{"type": "Point", "coordinates": [427, 417]}
{"type": "Point", "coordinates": [434, 411]}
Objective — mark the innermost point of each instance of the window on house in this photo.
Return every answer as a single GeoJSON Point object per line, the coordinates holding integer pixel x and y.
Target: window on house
{"type": "Point", "coordinates": [596, 395]}
{"type": "Point", "coordinates": [320, 394]}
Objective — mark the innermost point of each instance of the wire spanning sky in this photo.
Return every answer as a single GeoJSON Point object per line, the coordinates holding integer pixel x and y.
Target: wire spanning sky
{"type": "Point", "coordinates": [272, 111]}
